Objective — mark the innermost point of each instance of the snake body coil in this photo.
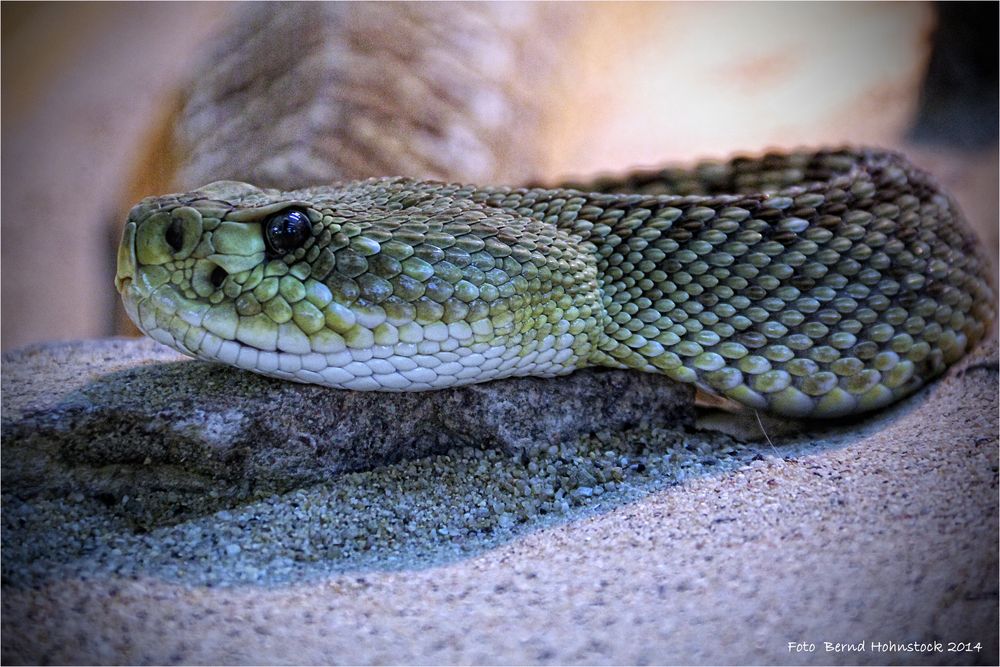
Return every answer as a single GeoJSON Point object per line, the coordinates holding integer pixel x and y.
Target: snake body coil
{"type": "Point", "coordinates": [806, 284]}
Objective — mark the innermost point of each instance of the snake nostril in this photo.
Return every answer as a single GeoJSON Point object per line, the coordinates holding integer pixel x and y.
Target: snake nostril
{"type": "Point", "coordinates": [175, 234]}
{"type": "Point", "coordinates": [218, 275]}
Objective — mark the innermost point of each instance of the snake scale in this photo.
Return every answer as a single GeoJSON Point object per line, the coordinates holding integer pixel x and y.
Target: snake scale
{"type": "Point", "coordinates": [804, 284]}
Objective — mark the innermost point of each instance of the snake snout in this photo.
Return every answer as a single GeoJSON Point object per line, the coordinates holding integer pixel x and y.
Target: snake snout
{"type": "Point", "coordinates": [125, 273]}
{"type": "Point", "coordinates": [167, 236]}
{"type": "Point", "coordinates": [156, 242]}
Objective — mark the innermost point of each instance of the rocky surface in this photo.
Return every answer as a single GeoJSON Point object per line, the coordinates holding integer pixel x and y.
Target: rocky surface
{"type": "Point", "coordinates": [107, 416]}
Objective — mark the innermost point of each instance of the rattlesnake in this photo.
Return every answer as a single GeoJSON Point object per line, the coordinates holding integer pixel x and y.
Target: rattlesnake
{"type": "Point", "coordinates": [806, 284]}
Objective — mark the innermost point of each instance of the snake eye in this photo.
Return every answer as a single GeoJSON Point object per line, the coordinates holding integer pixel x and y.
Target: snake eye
{"type": "Point", "coordinates": [286, 230]}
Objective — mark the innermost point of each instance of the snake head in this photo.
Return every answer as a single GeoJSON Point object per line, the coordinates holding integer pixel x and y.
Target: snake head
{"type": "Point", "coordinates": [209, 262]}
{"type": "Point", "coordinates": [386, 284]}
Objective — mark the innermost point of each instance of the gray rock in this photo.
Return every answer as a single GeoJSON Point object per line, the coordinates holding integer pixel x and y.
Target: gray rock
{"type": "Point", "coordinates": [108, 417]}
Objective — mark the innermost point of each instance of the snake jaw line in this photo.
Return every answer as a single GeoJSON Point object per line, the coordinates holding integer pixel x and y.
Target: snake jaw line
{"type": "Point", "coordinates": [807, 285]}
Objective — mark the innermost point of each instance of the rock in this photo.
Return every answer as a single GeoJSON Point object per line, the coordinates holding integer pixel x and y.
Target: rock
{"type": "Point", "coordinates": [108, 416]}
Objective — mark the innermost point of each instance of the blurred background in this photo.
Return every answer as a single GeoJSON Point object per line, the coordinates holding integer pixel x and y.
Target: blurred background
{"type": "Point", "coordinates": [104, 103]}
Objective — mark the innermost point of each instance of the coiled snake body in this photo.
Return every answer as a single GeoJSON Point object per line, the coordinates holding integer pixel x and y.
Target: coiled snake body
{"type": "Point", "coordinates": [805, 284]}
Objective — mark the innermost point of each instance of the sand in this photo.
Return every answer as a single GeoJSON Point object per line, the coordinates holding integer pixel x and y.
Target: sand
{"type": "Point", "coordinates": [880, 540]}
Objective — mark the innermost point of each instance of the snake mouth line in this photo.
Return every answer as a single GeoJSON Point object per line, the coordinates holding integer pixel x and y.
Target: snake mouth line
{"type": "Point", "coordinates": [168, 318]}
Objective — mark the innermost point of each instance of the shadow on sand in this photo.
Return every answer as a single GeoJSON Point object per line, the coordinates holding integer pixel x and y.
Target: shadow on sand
{"type": "Point", "coordinates": [404, 514]}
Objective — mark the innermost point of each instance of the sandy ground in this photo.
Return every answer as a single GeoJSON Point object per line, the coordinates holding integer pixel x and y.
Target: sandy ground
{"type": "Point", "coordinates": [887, 538]}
